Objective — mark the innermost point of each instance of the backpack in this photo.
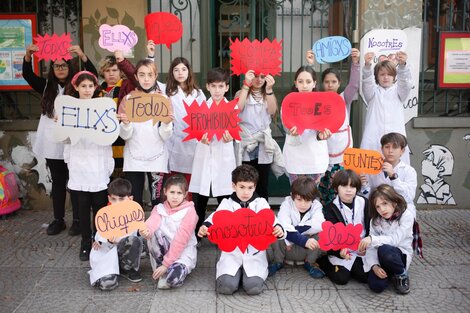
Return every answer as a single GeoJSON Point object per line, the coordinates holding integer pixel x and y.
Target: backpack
{"type": "Point", "coordinates": [9, 192]}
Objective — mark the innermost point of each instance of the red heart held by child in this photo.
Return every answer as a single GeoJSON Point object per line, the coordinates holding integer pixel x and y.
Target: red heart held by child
{"type": "Point", "coordinates": [338, 236]}
{"type": "Point", "coordinates": [241, 228]}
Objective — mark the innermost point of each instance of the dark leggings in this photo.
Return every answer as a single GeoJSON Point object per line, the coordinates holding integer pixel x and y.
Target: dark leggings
{"type": "Point", "coordinates": [200, 203]}
{"type": "Point", "coordinates": [87, 200]}
{"type": "Point", "coordinates": [137, 180]}
{"type": "Point", "coordinates": [60, 176]}
{"type": "Point", "coordinates": [340, 275]}
{"type": "Point", "coordinates": [393, 261]}
{"type": "Point", "coordinates": [263, 181]}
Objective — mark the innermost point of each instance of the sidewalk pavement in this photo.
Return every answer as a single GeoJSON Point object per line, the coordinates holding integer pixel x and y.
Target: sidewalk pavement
{"type": "Point", "coordinates": [40, 273]}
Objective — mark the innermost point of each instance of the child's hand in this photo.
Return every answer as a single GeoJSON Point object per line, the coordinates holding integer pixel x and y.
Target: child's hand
{"type": "Point", "coordinates": [123, 118]}
{"type": "Point", "coordinates": [310, 56]}
{"type": "Point", "coordinates": [401, 57]}
{"type": "Point", "coordinates": [293, 131]}
{"type": "Point", "coordinates": [249, 76]}
{"type": "Point", "coordinates": [269, 83]}
{"type": "Point", "coordinates": [204, 139]}
{"type": "Point", "coordinates": [145, 233]}
{"type": "Point", "coordinates": [324, 135]}
{"type": "Point", "coordinates": [96, 245]}
{"type": "Point", "coordinates": [119, 56]}
{"type": "Point", "coordinates": [226, 137]}
{"type": "Point", "coordinates": [368, 58]}
{"type": "Point", "coordinates": [364, 180]}
{"type": "Point", "coordinates": [388, 168]}
{"type": "Point", "coordinates": [355, 55]}
{"type": "Point", "coordinates": [203, 231]}
{"type": "Point", "coordinates": [159, 272]}
{"type": "Point", "coordinates": [312, 244]}
{"type": "Point", "coordinates": [78, 51]}
{"type": "Point", "coordinates": [150, 48]}
{"type": "Point", "coordinates": [56, 118]}
{"type": "Point", "coordinates": [30, 50]}
{"type": "Point", "coordinates": [379, 272]}
{"type": "Point", "coordinates": [344, 253]}
{"type": "Point", "coordinates": [365, 242]}
{"type": "Point", "coordinates": [277, 231]}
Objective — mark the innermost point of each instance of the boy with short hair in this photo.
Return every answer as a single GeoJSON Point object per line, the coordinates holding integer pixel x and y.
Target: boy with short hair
{"type": "Point", "coordinates": [250, 267]}
{"type": "Point", "coordinates": [125, 251]}
{"type": "Point", "coordinates": [214, 160]}
{"type": "Point", "coordinates": [301, 216]}
{"type": "Point", "coordinates": [396, 173]}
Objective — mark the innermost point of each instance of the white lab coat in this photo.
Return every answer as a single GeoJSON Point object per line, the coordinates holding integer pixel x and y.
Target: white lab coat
{"type": "Point", "coordinates": [254, 262]}
{"type": "Point", "coordinates": [182, 153]}
{"type": "Point", "coordinates": [212, 167]}
{"type": "Point", "coordinates": [385, 112]}
{"type": "Point", "coordinates": [398, 233]}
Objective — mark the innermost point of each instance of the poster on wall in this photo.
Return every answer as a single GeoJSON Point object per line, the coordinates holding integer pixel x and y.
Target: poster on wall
{"type": "Point", "coordinates": [16, 33]}
{"type": "Point", "coordinates": [454, 60]}
{"type": "Point", "coordinates": [385, 43]}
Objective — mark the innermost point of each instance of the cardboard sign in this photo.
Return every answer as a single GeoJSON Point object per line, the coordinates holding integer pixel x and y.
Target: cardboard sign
{"type": "Point", "coordinates": [117, 37]}
{"type": "Point", "coordinates": [120, 219]}
{"type": "Point", "coordinates": [94, 119]}
{"type": "Point", "coordinates": [53, 47]}
{"type": "Point", "coordinates": [331, 49]}
{"type": "Point", "coordinates": [163, 28]}
{"type": "Point", "coordinates": [363, 161]}
{"type": "Point", "coordinates": [313, 110]}
{"type": "Point", "coordinates": [213, 121]}
{"type": "Point", "coordinates": [385, 41]}
{"type": "Point", "coordinates": [262, 57]}
{"type": "Point", "coordinates": [338, 236]}
{"type": "Point", "coordinates": [141, 107]}
{"type": "Point", "coordinates": [242, 228]}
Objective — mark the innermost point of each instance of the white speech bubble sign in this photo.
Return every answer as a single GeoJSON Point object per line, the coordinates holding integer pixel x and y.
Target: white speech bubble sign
{"type": "Point", "coordinates": [94, 119]}
{"type": "Point", "coordinates": [384, 41]}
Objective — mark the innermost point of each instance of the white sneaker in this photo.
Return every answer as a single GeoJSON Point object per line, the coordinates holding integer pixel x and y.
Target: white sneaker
{"type": "Point", "coordinates": [162, 284]}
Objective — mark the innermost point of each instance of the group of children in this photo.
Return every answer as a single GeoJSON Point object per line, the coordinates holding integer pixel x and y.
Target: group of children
{"type": "Point", "coordinates": [157, 151]}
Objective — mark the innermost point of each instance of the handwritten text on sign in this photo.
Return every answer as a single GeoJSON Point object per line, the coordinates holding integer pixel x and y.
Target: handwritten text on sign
{"type": "Point", "coordinates": [313, 110]}
{"type": "Point", "coordinates": [141, 107]}
{"type": "Point", "coordinates": [332, 49]}
{"type": "Point", "coordinates": [262, 57]}
{"type": "Point", "coordinates": [120, 219]}
{"type": "Point", "coordinates": [241, 228]}
{"type": "Point", "coordinates": [94, 119]}
{"type": "Point", "coordinates": [213, 120]}
{"type": "Point", "coordinates": [338, 236]}
{"type": "Point", "coordinates": [163, 28]}
{"type": "Point", "coordinates": [363, 161]}
{"type": "Point", "coordinates": [117, 37]}
{"type": "Point", "coordinates": [385, 41]}
{"type": "Point", "coordinates": [53, 47]}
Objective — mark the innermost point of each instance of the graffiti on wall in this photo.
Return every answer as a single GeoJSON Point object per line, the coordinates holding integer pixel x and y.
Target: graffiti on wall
{"type": "Point", "coordinates": [438, 163]}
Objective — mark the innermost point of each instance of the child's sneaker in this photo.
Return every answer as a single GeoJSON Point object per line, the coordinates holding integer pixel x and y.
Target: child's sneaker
{"type": "Point", "coordinates": [131, 275]}
{"type": "Point", "coordinates": [107, 283]}
{"type": "Point", "coordinates": [274, 267]}
{"type": "Point", "coordinates": [314, 270]}
{"type": "Point", "coordinates": [162, 283]}
{"type": "Point", "coordinates": [85, 248]}
{"type": "Point", "coordinates": [401, 284]}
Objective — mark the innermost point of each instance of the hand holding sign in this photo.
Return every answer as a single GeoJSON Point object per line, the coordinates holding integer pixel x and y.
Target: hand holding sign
{"type": "Point", "coordinates": [363, 161]}
{"type": "Point", "coordinates": [120, 219]}
{"type": "Point", "coordinates": [262, 57]}
{"type": "Point", "coordinates": [332, 49]}
{"type": "Point", "coordinates": [241, 228]}
{"type": "Point", "coordinates": [313, 110]}
{"type": "Point", "coordinates": [53, 47]}
{"type": "Point", "coordinates": [339, 236]}
{"type": "Point", "coordinates": [213, 121]}
{"type": "Point", "coordinates": [141, 107]}
{"type": "Point", "coordinates": [163, 28]}
{"type": "Point", "coordinates": [117, 37]}
{"type": "Point", "coordinates": [94, 119]}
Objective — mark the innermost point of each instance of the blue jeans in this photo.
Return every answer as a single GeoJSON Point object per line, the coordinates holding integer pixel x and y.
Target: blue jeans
{"type": "Point", "coordinates": [393, 261]}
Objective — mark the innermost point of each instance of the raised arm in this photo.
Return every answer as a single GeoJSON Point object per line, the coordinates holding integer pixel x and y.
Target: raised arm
{"type": "Point", "coordinates": [351, 90]}
{"type": "Point", "coordinates": [36, 82]}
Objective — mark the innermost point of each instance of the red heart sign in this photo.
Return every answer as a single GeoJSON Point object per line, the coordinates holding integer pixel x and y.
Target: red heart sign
{"type": "Point", "coordinates": [241, 228]}
{"type": "Point", "coordinates": [338, 236]}
{"type": "Point", "coordinates": [163, 28]}
{"type": "Point", "coordinates": [313, 110]}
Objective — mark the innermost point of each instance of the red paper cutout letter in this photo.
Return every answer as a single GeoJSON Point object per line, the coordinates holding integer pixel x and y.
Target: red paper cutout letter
{"type": "Point", "coordinates": [363, 161]}
{"type": "Point", "coordinates": [213, 121]}
{"type": "Point", "coordinates": [338, 236]}
{"type": "Point", "coordinates": [262, 57]}
{"type": "Point", "coordinates": [163, 28]}
{"type": "Point", "coordinates": [313, 110]}
{"type": "Point", "coordinates": [242, 228]}
{"type": "Point", "coordinates": [53, 47]}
